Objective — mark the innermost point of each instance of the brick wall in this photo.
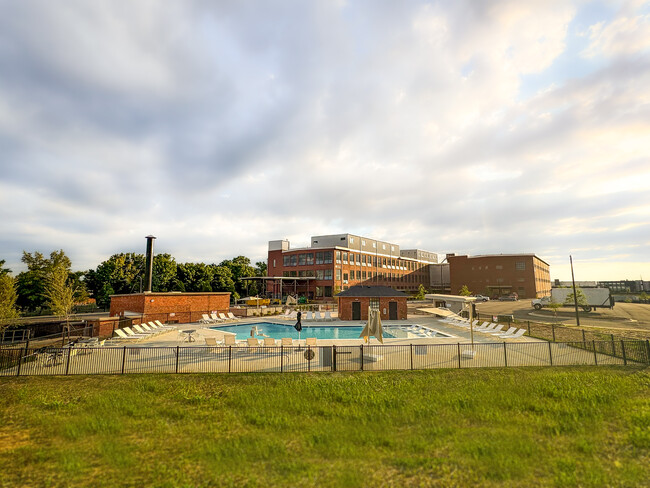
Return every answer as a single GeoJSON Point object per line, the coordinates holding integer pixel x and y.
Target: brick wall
{"type": "Point", "coordinates": [345, 307]}
{"type": "Point", "coordinates": [171, 307]}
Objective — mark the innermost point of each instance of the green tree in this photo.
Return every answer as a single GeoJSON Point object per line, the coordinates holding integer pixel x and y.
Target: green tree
{"type": "Point", "coordinates": [464, 291]}
{"type": "Point", "coordinates": [3, 271]}
{"type": "Point", "coordinates": [164, 272]}
{"type": "Point", "coordinates": [240, 267]}
{"type": "Point", "coordinates": [260, 268]}
{"type": "Point", "coordinates": [222, 279]}
{"type": "Point", "coordinates": [31, 284]}
{"type": "Point", "coordinates": [195, 277]}
{"type": "Point", "coordinates": [421, 292]}
{"type": "Point", "coordinates": [59, 290]}
{"type": "Point", "coordinates": [8, 297]}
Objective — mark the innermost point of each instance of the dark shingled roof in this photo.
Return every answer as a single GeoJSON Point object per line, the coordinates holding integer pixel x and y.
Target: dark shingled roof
{"type": "Point", "coordinates": [371, 291]}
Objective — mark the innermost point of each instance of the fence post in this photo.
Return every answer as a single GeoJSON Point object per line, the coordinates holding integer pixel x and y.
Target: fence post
{"type": "Point", "coordinates": [67, 364]}
{"type": "Point", "coordinates": [529, 328]}
{"type": "Point", "coordinates": [281, 358]}
{"type": "Point", "coordinates": [584, 339]}
{"type": "Point", "coordinates": [459, 355]}
{"type": "Point", "coordinates": [593, 343]}
{"type": "Point", "coordinates": [411, 356]}
{"type": "Point", "coordinates": [178, 353]}
{"type": "Point", "coordinates": [334, 357]}
{"type": "Point", "coordinates": [229, 357]}
{"type": "Point", "coordinates": [123, 359]}
{"type": "Point", "coordinates": [550, 353]}
{"type": "Point", "coordinates": [20, 361]}
{"type": "Point", "coordinates": [309, 356]}
{"type": "Point", "coordinates": [647, 346]}
{"type": "Point", "coordinates": [553, 329]}
{"type": "Point", "coordinates": [613, 345]}
{"type": "Point", "coordinates": [361, 357]}
{"type": "Point", "coordinates": [505, 354]}
{"type": "Point", "coordinates": [623, 349]}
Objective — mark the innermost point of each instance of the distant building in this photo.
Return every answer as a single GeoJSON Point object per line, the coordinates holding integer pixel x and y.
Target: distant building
{"type": "Point", "coordinates": [501, 274]}
{"type": "Point", "coordinates": [169, 307]}
{"type": "Point", "coordinates": [626, 286]}
{"type": "Point", "coordinates": [334, 263]}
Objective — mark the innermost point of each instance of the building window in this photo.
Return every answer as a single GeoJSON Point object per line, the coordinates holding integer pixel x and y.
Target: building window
{"type": "Point", "coordinates": [498, 266]}
{"type": "Point", "coordinates": [363, 275]}
{"type": "Point", "coordinates": [310, 258]}
{"type": "Point", "coordinates": [363, 243]}
{"type": "Point", "coordinates": [520, 265]}
{"type": "Point", "coordinates": [319, 274]}
{"type": "Point", "coordinates": [338, 257]}
{"type": "Point", "coordinates": [345, 277]}
{"type": "Point", "coordinates": [351, 258]}
{"type": "Point", "coordinates": [287, 260]}
{"type": "Point", "coordinates": [374, 303]}
{"type": "Point", "coordinates": [328, 291]}
{"type": "Point", "coordinates": [351, 240]}
{"type": "Point", "coordinates": [370, 274]}
{"type": "Point", "coordinates": [328, 257]}
{"type": "Point", "coordinates": [319, 258]}
{"type": "Point", "coordinates": [328, 274]}
{"type": "Point", "coordinates": [345, 258]}
{"type": "Point", "coordinates": [359, 259]}
{"type": "Point", "coordinates": [374, 244]}
{"type": "Point", "coordinates": [383, 246]}
{"type": "Point", "coordinates": [319, 291]}
{"type": "Point", "coordinates": [274, 263]}
{"type": "Point", "coordinates": [392, 248]}
{"type": "Point", "coordinates": [294, 260]}
{"type": "Point", "coordinates": [302, 259]}
{"type": "Point", "coordinates": [338, 274]}
{"type": "Point", "coordinates": [358, 274]}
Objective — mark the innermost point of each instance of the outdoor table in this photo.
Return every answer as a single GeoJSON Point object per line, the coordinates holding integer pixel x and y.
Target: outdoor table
{"type": "Point", "coordinates": [190, 336]}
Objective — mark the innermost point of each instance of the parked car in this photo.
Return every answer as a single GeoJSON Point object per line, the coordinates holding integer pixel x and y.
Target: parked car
{"type": "Point", "coordinates": [508, 298]}
{"type": "Point", "coordinates": [481, 298]}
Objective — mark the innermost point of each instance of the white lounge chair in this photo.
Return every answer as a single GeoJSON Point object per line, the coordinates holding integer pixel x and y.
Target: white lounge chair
{"type": "Point", "coordinates": [252, 342]}
{"type": "Point", "coordinates": [130, 332]}
{"type": "Point", "coordinates": [163, 326]}
{"type": "Point", "coordinates": [318, 316]}
{"type": "Point", "coordinates": [497, 329]}
{"type": "Point", "coordinates": [231, 316]}
{"type": "Point", "coordinates": [293, 315]}
{"type": "Point", "coordinates": [141, 330]}
{"type": "Point", "coordinates": [123, 335]}
{"type": "Point", "coordinates": [328, 315]}
{"type": "Point", "coordinates": [308, 315]}
{"type": "Point", "coordinates": [510, 331]}
{"type": "Point", "coordinates": [205, 319]}
{"type": "Point", "coordinates": [229, 340]}
{"type": "Point", "coordinates": [515, 335]}
{"type": "Point", "coordinates": [269, 342]}
{"type": "Point", "coordinates": [286, 341]}
{"type": "Point", "coordinates": [310, 341]}
{"type": "Point", "coordinates": [489, 328]}
{"type": "Point", "coordinates": [223, 317]}
{"type": "Point", "coordinates": [483, 326]}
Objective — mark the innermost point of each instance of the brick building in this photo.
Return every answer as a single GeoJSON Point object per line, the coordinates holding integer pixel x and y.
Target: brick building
{"type": "Point", "coordinates": [354, 303]}
{"type": "Point", "coordinates": [334, 263]}
{"type": "Point", "coordinates": [171, 307]}
{"type": "Point", "coordinates": [501, 274]}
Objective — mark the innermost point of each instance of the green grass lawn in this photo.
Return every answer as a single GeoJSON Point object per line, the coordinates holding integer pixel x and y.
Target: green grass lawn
{"type": "Point", "coordinates": [486, 427]}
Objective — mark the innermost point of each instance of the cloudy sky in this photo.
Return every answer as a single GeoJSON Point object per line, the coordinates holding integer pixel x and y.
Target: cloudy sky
{"type": "Point", "coordinates": [467, 127]}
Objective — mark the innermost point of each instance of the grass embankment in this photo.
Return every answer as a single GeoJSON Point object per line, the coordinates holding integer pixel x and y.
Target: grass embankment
{"type": "Point", "coordinates": [491, 427]}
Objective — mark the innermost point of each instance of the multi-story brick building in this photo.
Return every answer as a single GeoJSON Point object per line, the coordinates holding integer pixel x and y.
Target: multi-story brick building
{"type": "Point", "coordinates": [501, 274]}
{"type": "Point", "coordinates": [334, 263]}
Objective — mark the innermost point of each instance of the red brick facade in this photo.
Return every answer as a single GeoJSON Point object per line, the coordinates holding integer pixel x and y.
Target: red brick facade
{"type": "Point", "coordinates": [171, 307]}
{"type": "Point", "coordinates": [498, 275]}
{"type": "Point", "coordinates": [345, 307]}
{"type": "Point", "coordinates": [344, 268]}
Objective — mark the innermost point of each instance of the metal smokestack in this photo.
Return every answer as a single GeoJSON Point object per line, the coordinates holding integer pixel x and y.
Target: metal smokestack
{"type": "Point", "coordinates": [148, 272]}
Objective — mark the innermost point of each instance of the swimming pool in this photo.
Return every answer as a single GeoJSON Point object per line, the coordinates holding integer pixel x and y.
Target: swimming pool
{"type": "Point", "coordinates": [277, 331]}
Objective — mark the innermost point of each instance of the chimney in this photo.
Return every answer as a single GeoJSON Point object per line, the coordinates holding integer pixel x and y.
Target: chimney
{"type": "Point", "coordinates": [148, 272]}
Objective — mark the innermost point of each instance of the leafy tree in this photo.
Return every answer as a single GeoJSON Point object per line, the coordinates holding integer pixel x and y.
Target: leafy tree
{"type": "Point", "coordinates": [3, 271]}
{"type": "Point", "coordinates": [464, 291]}
{"type": "Point", "coordinates": [8, 298]}
{"type": "Point", "coordinates": [195, 277]}
{"type": "Point", "coordinates": [421, 292]}
{"type": "Point", "coordinates": [60, 291]}
{"type": "Point", "coordinates": [240, 267]}
{"type": "Point", "coordinates": [222, 279]}
{"type": "Point", "coordinates": [31, 284]}
{"type": "Point", "coordinates": [260, 268]}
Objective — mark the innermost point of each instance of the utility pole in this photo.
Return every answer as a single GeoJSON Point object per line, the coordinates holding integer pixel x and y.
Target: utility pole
{"type": "Point", "coordinates": [575, 295]}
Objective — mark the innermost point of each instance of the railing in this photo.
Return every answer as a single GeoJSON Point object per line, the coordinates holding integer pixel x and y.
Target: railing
{"type": "Point", "coordinates": [23, 361]}
{"type": "Point", "coordinates": [12, 336]}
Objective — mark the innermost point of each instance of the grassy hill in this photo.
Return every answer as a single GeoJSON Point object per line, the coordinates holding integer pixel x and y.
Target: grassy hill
{"type": "Point", "coordinates": [487, 427]}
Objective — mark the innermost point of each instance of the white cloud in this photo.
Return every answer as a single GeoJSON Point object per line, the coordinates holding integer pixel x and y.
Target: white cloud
{"type": "Point", "coordinates": [622, 36]}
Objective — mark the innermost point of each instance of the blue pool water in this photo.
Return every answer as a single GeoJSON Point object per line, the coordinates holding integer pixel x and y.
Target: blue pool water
{"type": "Point", "coordinates": [277, 331]}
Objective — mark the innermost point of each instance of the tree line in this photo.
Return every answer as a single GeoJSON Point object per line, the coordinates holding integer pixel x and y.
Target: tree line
{"type": "Point", "coordinates": [50, 286]}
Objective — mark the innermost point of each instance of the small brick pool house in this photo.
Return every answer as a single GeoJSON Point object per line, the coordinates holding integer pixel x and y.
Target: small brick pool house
{"type": "Point", "coordinates": [354, 302]}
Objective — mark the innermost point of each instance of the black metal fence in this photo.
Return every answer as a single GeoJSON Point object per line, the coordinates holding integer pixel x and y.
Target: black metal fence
{"type": "Point", "coordinates": [23, 361]}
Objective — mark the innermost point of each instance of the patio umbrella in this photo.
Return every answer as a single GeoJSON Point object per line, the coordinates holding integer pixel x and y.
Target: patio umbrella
{"type": "Point", "coordinates": [298, 326]}
{"type": "Point", "coordinates": [373, 326]}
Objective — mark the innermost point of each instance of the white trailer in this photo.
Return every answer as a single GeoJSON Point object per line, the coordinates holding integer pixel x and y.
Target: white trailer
{"type": "Point", "coordinates": [596, 298]}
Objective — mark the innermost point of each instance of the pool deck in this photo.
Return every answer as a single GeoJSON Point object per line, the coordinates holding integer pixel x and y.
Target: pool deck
{"type": "Point", "coordinates": [461, 335]}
